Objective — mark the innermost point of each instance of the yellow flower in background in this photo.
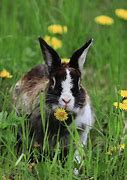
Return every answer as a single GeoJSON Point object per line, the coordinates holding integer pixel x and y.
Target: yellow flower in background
{"type": "Point", "coordinates": [124, 101]}
{"type": "Point", "coordinates": [53, 41]}
{"type": "Point", "coordinates": [114, 149]}
{"type": "Point", "coordinates": [104, 20]}
{"type": "Point", "coordinates": [121, 106]}
{"type": "Point", "coordinates": [57, 29]}
{"type": "Point", "coordinates": [60, 114]}
{"type": "Point", "coordinates": [121, 13]}
{"type": "Point", "coordinates": [111, 150]}
{"type": "Point", "coordinates": [5, 74]}
{"type": "Point", "coordinates": [121, 147]}
{"type": "Point", "coordinates": [123, 93]}
{"type": "Point", "coordinates": [56, 43]}
{"type": "Point", "coordinates": [47, 39]}
{"type": "Point", "coordinates": [65, 60]}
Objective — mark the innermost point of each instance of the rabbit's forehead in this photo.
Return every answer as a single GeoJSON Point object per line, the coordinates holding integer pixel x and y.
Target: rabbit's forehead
{"type": "Point", "coordinates": [64, 73]}
{"type": "Point", "coordinates": [70, 77]}
{"type": "Point", "coordinates": [67, 83]}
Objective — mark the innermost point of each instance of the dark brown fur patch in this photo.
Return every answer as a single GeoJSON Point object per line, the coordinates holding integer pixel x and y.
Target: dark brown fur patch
{"type": "Point", "coordinates": [26, 91]}
{"type": "Point", "coordinates": [35, 77]}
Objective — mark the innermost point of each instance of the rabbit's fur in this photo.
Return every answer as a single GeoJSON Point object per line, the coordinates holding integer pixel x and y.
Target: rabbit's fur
{"type": "Point", "coordinates": [61, 84]}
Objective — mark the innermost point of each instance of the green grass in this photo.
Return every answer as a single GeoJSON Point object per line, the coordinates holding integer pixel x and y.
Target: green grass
{"type": "Point", "coordinates": [21, 22]}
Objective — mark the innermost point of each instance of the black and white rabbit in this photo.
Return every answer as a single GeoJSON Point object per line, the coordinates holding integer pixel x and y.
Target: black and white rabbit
{"type": "Point", "coordinates": [61, 84]}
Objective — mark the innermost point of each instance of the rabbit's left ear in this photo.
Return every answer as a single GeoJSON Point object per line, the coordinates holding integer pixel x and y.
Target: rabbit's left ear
{"type": "Point", "coordinates": [78, 58]}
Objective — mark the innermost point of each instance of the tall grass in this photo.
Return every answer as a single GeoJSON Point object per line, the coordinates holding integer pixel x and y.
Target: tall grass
{"type": "Point", "coordinates": [21, 22]}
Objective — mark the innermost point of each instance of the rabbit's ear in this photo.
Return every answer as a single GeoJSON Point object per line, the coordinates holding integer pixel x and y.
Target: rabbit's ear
{"type": "Point", "coordinates": [78, 58]}
{"type": "Point", "coordinates": [51, 57]}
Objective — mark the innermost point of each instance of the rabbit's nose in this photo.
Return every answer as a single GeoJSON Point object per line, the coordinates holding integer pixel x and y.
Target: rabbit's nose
{"type": "Point", "coordinates": [66, 101]}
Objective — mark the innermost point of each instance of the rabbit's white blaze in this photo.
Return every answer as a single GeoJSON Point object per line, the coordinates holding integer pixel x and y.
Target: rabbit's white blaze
{"type": "Point", "coordinates": [66, 99]}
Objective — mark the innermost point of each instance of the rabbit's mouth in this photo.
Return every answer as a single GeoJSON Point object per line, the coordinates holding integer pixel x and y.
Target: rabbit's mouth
{"type": "Point", "coordinates": [70, 107]}
{"type": "Point", "coordinates": [66, 107]}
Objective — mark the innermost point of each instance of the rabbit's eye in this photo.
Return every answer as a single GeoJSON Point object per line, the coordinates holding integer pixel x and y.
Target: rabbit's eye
{"type": "Point", "coordinates": [53, 82]}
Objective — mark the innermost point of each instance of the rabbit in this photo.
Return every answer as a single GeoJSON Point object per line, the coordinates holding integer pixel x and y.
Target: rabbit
{"type": "Point", "coordinates": [60, 83]}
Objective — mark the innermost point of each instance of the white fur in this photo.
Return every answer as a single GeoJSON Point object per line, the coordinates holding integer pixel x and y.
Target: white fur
{"type": "Point", "coordinates": [66, 92]}
{"type": "Point", "coordinates": [54, 82]}
{"type": "Point", "coordinates": [82, 58]}
{"type": "Point", "coordinates": [85, 116]}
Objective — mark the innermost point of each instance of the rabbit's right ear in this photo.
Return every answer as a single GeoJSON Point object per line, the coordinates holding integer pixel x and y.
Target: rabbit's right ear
{"type": "Point", "coordinates": [78, 58]}
{"type": "Point", "coordinates": [51, 57]}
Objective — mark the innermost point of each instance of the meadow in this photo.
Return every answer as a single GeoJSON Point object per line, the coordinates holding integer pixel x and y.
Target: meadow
{"type": "Point", "coordinates": [105, 72]}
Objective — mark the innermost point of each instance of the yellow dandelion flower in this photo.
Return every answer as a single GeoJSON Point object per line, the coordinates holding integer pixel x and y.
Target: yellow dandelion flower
{"type": "Point", "coordinates": [53, 41]}
{"type": "Point", "coordinates": [65, 60]}
{"type": "Point", "coordinates": [57, 29]}
{"type": "Point", "coordinates": [47, 39]}
{"type": "Point", "coordinates": [104, 20]}
{"type": "Point", "coordinates": [111, 150]}
{"type": "Point", "coordinates": [5, 74]}
{"type": "Point", "coordinates": [114, 149]}
{"type": "Point", "coordinates": [121, 106]}
{"type": "Point", "coordinates": [121, 13]}
{"type": "Point", "coordinates": [124, 107]}
{"type": "Point", "coordinates": [124, 101]}
{"type": "Point", "coordinates": [121, 147]}
{"type": "Point", "coordinates": [123, 93]}
{"type": "Point", "coordinates": [116, 104]}
{"type": "Point", "coordinates": [60, 114]}
{"type": "Point", "coordinates": [56, 43]}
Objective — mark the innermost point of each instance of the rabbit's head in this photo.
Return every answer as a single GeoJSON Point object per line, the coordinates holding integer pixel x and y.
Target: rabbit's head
{"type": "Point", "coordinates": [65, 88]}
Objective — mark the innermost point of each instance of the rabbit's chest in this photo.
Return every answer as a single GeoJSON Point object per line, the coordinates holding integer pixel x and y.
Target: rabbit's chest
{"type": "Point", "coordinates": [55, 130]}
{"type": "Point", "coordinates": [56, 127]}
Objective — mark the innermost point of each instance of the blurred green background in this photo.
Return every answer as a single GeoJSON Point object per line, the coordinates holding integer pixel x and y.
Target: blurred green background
{"type": "Point", "coordinates": [22, 22]}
